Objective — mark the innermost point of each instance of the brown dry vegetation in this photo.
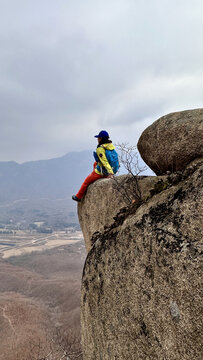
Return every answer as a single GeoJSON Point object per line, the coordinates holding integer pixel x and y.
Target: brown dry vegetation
{"type": "Point", "coordinates": [39, 304]}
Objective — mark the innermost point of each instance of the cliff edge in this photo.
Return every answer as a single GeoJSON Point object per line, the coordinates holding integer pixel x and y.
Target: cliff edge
{"type": "Point", "coordinates": [141, 285]}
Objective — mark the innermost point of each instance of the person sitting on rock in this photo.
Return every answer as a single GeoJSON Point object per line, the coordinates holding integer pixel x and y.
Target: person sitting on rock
{"type": "Point", "coordinates": [105, 166]}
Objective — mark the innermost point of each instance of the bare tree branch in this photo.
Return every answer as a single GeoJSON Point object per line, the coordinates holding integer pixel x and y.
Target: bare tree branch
{"type": "Point", "coordinates": [128, 157]}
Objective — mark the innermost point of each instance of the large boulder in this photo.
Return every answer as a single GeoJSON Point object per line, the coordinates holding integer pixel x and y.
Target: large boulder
{"type": "Point", "coordinates": [173, 141]}
{"type": "Point", "coordinates": [141, 286]}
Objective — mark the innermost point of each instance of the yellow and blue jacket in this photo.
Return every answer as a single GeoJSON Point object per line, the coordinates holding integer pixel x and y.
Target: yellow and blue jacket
{"type": "Point", "coordinates": [103, 166]}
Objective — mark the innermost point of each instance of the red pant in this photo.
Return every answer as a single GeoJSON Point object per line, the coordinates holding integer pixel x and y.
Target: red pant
{"type": "Point", "coordinates": [89, 180]}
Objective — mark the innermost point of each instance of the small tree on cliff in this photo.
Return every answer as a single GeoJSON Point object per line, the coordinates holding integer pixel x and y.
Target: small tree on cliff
{"type": "Point", "coordinates": [128, 157]}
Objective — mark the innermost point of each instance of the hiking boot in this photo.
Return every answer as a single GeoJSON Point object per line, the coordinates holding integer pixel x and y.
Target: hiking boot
{"type": "Point", "coordinates": [74, 197]}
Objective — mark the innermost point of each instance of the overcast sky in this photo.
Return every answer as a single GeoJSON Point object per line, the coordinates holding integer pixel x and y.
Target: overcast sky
{"type": "Point", "coordinates": [70, 68]}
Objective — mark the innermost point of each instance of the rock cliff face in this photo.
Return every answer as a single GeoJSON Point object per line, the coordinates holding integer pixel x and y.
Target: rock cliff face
{"type": "Point", "coordinates": [106, 197]}
{"type": "Point", "coordinates": [141, 286]}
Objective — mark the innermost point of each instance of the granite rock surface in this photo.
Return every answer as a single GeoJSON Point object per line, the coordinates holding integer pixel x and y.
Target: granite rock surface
{"type": "Point", "coordinates": [173, 141]}
{"type": "Point", "coordinates": [141, 285]}
{"type": "Point", "coordinates": [106, 197]}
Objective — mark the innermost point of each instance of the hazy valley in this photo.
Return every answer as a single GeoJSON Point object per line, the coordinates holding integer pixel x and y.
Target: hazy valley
{"type": "Point", "coordinates": [41, 258]}
{"type": "Point", "coordinates": [40, 295]}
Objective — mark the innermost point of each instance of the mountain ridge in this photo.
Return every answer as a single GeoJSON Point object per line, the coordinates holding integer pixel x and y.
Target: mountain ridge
{"type": "Point", "coordinates": [53, 178]}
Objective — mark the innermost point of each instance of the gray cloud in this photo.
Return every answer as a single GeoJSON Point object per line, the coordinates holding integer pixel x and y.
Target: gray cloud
{"type": "Point", "coordinates": [70, 68]}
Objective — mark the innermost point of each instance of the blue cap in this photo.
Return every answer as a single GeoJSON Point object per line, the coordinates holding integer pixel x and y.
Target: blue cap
{"type": "Point", "coordinates": [102, 134]}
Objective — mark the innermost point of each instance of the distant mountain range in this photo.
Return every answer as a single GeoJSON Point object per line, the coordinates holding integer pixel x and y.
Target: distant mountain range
{"type": "Point", "coordinates": [55, 178]}
{"type": "Point", "coordinates": [40, 191]}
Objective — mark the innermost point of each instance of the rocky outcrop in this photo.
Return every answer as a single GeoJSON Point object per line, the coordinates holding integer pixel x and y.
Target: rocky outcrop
{"type": "Point", "coordinates": [106, 197]}
{"type": "Point", "coordinates": [173, 141]}
{"type": "Point", "coordinates": [141, 286]}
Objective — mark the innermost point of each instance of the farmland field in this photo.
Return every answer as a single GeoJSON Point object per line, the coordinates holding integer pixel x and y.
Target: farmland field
{"type": "Point", "coordinates": [28, 241]}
